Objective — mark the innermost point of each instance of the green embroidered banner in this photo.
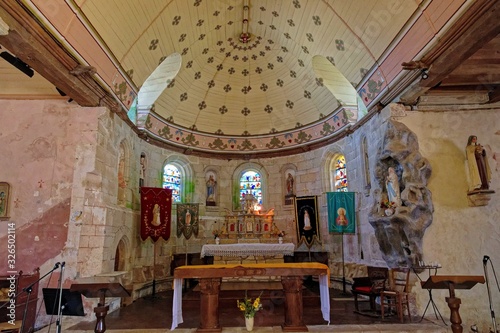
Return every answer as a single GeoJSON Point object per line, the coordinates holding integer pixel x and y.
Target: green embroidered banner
{"type": "Point", "coordinates": [341, 212]}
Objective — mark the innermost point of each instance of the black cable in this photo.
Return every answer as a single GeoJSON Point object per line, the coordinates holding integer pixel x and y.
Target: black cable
{"type": "Point", "coordinates": [492, 311]}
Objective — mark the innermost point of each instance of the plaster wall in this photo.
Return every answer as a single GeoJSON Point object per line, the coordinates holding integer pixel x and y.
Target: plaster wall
{"type": "Point", "coordinates": [42, 142]}
{"type": "Point", "coordinates": [73, 151]}
{"type": "Point", "coordinates": [460, 235]}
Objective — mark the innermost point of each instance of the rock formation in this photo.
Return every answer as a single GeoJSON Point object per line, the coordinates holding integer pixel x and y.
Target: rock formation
{"type": "Point", "coordinates": [400, 234]}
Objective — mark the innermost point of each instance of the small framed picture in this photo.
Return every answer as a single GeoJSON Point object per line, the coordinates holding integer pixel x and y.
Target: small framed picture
{"type": "Point", "coordinates": [4, 200]}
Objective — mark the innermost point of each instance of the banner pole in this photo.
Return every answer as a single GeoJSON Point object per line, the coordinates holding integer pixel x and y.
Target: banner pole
{"type": "Point", "coordinates": [154, 268]}
{"type": "Point", "coordinates": [343, 266]}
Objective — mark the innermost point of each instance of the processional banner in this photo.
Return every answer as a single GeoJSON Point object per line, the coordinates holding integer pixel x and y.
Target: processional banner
{"type": "Point", "coordinates": [306, 217]}
{"type": "Point", "coordinates": [187, 219]}
{"type": "Point", "coordinates": [341, 212]}
{"type": "Point", "coordinates": [156, 212]}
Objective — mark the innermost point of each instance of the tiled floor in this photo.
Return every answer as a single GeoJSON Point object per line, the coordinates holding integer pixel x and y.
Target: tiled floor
{"type": "Point", "coordinates": [154, 314]}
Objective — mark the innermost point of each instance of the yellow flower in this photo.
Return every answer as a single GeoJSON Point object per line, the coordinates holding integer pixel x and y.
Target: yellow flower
{"type": "Point", "coordinates": [248, 306]}
{"type": "Point", "coordinates": [256, 303]}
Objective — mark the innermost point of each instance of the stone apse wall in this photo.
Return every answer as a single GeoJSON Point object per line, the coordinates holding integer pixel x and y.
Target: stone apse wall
{"type": "Point", "coordinates": [72, 153]}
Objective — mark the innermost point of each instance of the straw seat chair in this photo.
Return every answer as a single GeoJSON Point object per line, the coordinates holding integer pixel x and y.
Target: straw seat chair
{"type": "Point", "coordinates": [397, 295]}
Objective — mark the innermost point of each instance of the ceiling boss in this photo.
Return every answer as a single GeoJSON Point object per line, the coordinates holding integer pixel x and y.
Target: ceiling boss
{"type": "Point", "coordinates": [245, 36]}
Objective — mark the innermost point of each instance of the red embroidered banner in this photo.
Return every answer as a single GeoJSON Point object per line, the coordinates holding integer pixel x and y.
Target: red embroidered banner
{"type": "Point", "coordinates": [156, 212]}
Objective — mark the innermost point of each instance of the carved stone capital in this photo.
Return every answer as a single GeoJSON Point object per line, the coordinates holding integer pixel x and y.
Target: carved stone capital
{"type": "Point", "coordinates": [210, 286]}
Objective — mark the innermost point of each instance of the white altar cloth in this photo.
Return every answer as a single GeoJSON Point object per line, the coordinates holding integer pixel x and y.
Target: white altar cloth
{"type": "Point", "coordinates": [177, 318]}
{"type": "Point", "coordinates": [247, 249]}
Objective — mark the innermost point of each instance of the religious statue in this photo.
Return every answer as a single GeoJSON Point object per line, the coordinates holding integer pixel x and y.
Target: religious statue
{"type": "Point", "coordinates": [248, 203]}
{"type": "Point", "coordinates": [142, 170]}
{"type": "Point", "coordinates": [392, 186]}
{"type": "Point", "coordinates": [289, 184]}
{"type": "Point", "coordinates": [211, 184]}
{"type": "Point", "coordinates": [479, 169]}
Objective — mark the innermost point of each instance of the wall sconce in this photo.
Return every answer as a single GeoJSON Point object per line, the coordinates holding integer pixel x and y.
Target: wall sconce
{"type": "Point", "coordinates": [425, 74]}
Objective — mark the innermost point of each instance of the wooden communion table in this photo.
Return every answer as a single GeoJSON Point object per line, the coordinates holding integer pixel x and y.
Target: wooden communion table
{"type": "Point", "coordinates": [210, 277]}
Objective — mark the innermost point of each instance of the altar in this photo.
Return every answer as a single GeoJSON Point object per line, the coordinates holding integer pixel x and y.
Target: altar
{"type": "Point", "coordinates": [244, 250]}
{"type": "Point", "coordinates": [211, 278]}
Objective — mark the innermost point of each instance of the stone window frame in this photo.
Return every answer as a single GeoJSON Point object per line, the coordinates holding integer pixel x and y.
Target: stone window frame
{"type": "Point", "coordinates": [186, 171]}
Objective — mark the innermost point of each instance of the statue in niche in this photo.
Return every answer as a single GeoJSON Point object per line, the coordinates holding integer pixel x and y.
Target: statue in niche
{"type": "Point", "coordinates": [142, 170]}
{"type": "Point", "coordinates": [399, 149]}
{"type": "Point", "coordinates": [289, 184]}
{"type": "Point", "coordinates": [290, 189]}
{"type": "Point", "coordinates": [477, 162]}
{"type": "Point", "coordinates": [392, 187]}
{"type": "Point", "coordinates": [211, 187]}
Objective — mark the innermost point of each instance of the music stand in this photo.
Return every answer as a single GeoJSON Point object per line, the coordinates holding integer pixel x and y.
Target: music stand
{"type": "Point", "coordinates": [452, 282]}
{"type": "Point", "coordinates": [71, 302]}
{"type": "Point", "coordinates": [100, 290]}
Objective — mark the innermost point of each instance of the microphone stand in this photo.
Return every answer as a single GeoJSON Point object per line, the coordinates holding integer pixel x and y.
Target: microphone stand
{"type": "Point", "coordinates": [29, 290]}
{"type": "Point", "coordinates": [492, 311]}
{"type": "Point", "coordinates": [59, 306]}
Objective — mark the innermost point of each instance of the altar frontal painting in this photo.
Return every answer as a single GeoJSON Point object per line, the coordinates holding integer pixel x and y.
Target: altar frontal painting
{"type": "Point", "coordinates": [187, 219]}
{"type": "Point", "coordinates": [156, 211]}
{"type": "Point", "coordinates": [306, 217]}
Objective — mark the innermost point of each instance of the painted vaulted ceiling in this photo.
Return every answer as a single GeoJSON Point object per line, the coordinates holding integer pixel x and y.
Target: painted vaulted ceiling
{"type": "Point", "coordinates": [246, 77]}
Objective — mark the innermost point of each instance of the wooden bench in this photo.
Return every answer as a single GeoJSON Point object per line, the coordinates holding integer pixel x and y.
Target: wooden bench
{"type": "Point", "coordinates": [370, 286]}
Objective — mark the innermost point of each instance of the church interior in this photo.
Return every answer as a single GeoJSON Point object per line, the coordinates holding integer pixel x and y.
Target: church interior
{"type": "Point", "coordinates": [219, 147]}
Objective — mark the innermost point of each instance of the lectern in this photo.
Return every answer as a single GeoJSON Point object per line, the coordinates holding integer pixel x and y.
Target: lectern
{"type": "Point", "coordinates": [453, 282]}
{"type": "Point", "coordinates": [100, 290]}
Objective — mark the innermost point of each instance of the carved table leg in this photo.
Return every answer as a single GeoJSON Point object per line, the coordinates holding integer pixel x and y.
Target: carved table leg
{"type": "Point", "coordinates": [456, 321]}
{"type": "Point", "coordinates": [209, 305]}
{"type": "Point", "coordinates": [294, 322]}
{"type": "Point", "coordinates": [101, 311]}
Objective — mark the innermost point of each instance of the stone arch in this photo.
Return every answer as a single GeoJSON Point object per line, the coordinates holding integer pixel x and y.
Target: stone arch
{"type": "Point", "coordinates": [235, 181]}
{"type": "Point", "coordinates": [186, 170]}
{"type": "Point", "coordinates": [327, 163]}
{"type": "Point", "coordinates": [122, 254]}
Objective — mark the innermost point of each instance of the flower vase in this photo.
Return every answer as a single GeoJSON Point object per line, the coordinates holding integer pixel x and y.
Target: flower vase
{"type": "Point", "coordinates": [280, 240]}
{"type": "Point", "coordinates": [389, 211]}
{"type": "Point", "coordinates": [217, 240]}
{"type": "Point", "coordinates": [249, 323]}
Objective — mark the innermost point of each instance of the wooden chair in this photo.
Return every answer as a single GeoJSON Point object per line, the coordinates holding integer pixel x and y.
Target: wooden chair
{"type": "Point", "coordinates": [397, 295]}
{"type": "Point", "coordinates": [371, 286]}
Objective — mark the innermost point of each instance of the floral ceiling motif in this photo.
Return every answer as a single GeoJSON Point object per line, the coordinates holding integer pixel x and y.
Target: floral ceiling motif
{"type": "Point", "coordinates": [249, 68]}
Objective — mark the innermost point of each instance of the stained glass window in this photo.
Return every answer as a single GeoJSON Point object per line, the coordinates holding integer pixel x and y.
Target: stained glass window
{"type": "Point", "coordinates": [340, 174]}
{"type": "Point", "coordinates": [172, 180]}
{"type": "Point", "coordinates": [250, 183]}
